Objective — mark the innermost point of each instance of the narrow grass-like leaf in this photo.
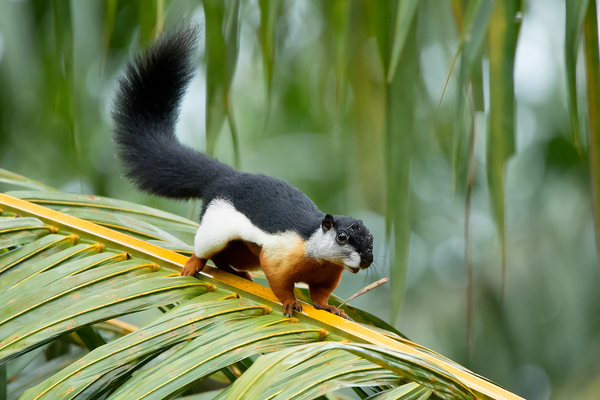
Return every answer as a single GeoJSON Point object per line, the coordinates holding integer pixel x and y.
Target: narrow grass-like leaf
{"type": "Point", "coordinates": [27, 271]}
{"type": "Point", "coordinates": [182, 248]}
{"type": "Point", "coordinates": [18, 180]}
{"type": "Point", "coordinates": [20, 231]}
{"type": "Point", "coordinates": [8, 225]}
{"type": "Point", "coordinates": [407, 10]}
{"type": "Point", "coordinates": [471, 25]}
{"type": "Point", "coordinates": [592, 69]}
{"type": "Point", "coordinates": [269, 374]}
{"type": "Point", "coordinates": [458, 7]}
{"type": "Point", "coordinates": [410, 391]}
{"type": "Point", "coordinates": [60, 200]}
{"type": "Point", "coordinates": [148, 22]}
{"type": "Point", "coordinates": [34, 251]}
{"type": "Point", "coordinates": [468, 260]}
{"type": "Point", "coordinates": [477, 83]}
{"type": "Point", "coordinates": [128, 296]}
{"type": "Point", "coordinates": [269, 12]}
{"type": "Point", "coordinates": [215, 349]}
{"type": "Point", "coordinates": [21, 304]}
{"type": "Point", "coordinates": [216, 72]}
{"type": "Point", "coordinates": [400, 107]}
{"type": "Point", "coordinates": [222, 44]}
{"type": "Point", "coordinates": [575, 13]}
{"type": "Point", "coordinates": [108, 21]}
{"type": "Point", "coordinates": [477, 17]}
{"type": "Point", "coordinates": [326, 372]}
{"type": "Point", "coordinates": [67, 269]}
{"type": "Point", "coordinates": [184, 322]}
{"type": "Point", "coordinates": [66, 100]}
{"type": "Point", "coordinates": [501, 135]}
{"type": "Point", "coordinates": [123, 223]}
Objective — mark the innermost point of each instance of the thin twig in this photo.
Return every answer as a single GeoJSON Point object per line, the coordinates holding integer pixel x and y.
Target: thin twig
{"type": "Point", "coordinates": [366, 289]}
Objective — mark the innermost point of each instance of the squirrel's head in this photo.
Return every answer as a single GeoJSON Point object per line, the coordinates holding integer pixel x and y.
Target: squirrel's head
{"type": "Point", "coordinates": [343, 241]}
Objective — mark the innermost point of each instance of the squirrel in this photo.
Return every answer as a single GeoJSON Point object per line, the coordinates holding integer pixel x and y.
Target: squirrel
{"type": "Point", "coordinates": [248, 221]}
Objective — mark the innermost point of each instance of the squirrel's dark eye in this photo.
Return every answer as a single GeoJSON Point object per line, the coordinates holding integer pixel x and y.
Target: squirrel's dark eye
{"type": "Point", "coordinates": [342, 237]}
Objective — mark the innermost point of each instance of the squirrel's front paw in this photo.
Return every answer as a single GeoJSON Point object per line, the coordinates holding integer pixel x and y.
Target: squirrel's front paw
{"type": "Point", "coordinates": [289, 307]}
{"type": "Point", "coordinates": [188, 271]}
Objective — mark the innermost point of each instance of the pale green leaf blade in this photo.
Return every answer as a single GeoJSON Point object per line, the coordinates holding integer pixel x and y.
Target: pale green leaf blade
{"type": "Point", "coordinates": [29, 270]}
{"type": "Point", "coordinates": [410, 391]}
{"type": "Point", "coordinates": [470, 45]}
{"type": "Point", "coordinates": [271, 375]}
{"type": "Point", "coordinates": [215, 349]}
{"type": "Point", "coordinates": [44, 247]}
{"type": "Point", "coordinates": [222, 45]}
{"type": "Point", "coordinates": [46, 278]}
{"type": "Point", "coordinates": [20, 231]}
{"type": "Point", "coordinates": [575, 13]}
{"type": "Point", "coordinates": [60, 200]}
{"type": "Point", "coordinates": [592, 69]}
{"type": "Point", "coordinates": [183, 322]}
{"type": "Point", "coordinates": [108, 21]}
{"type": "Point", "coordinates": [64, 290]}
{"type": "Point", "coordinates": [126, 224]}
{"type": "Point", "coordinates": [400, 108]}
{"type": "Point", "coordinates": [501, 133]}
{"type": "Point", "coordinates": [407, 10]}
{"type": "Point", "coordinates": [269, 11]}
{"type": "Point", "coordinates": [131, 295]}
{"type": "Point", "coordinates": [18, 180]}
{"type": "Point", "coordinates": [477, 18]}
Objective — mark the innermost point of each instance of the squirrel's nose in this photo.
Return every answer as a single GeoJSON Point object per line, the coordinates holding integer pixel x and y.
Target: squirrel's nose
{"type": "Point", "coordinates": [366, 260]}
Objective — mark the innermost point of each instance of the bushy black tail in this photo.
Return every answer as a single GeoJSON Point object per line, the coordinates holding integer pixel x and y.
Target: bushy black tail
{"type": "Point", "coordinates": [145, 112]}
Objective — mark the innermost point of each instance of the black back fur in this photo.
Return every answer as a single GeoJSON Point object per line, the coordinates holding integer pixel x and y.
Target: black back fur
{"type": "Point", "coordinates": [145, 112]}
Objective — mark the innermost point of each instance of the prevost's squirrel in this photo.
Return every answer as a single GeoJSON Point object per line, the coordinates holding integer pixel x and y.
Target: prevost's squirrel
{"type": "Point", "coordinates": [248, 221]}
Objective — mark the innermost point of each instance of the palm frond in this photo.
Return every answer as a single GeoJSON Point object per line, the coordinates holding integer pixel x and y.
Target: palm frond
{"type": "Point", "coordinates": [69, 273]}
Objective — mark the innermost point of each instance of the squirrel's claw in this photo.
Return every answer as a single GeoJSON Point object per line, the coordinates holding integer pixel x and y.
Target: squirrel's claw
{"type": "Point", "coordinates": [288, 308]}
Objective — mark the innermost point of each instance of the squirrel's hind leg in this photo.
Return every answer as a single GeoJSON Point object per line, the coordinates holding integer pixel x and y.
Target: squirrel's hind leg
{"type": "Point", "coordinates": [319, 294]}
{"type": "Point", "coordinates": [222, 263]}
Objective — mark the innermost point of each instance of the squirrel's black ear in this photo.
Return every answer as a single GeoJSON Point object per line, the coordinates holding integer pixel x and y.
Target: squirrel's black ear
{"type": "Point", "coordinates": [327, 222]}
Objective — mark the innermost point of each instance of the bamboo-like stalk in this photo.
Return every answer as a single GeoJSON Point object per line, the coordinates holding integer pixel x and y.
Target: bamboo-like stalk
{"type": "Point", "coordinates": [592, 63]}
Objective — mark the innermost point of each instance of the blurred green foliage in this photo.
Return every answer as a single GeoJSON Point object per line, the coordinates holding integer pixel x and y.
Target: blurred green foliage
{"type": "Point", "coordinates": [341, 100]}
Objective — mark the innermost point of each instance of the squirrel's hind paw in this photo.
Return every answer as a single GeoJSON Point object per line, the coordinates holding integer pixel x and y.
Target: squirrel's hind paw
{"type": "Point", "coordinates": [290, 307]}
{"type": "Point", "coordinates": [331, 309]}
